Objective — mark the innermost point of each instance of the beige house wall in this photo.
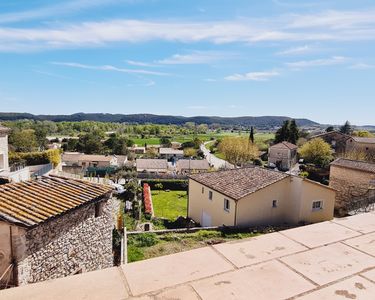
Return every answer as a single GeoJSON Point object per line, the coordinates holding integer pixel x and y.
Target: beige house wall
{"type": "Point", "coordinates": [311, 192]}
{"type": "Point", "coordinates": [199, 204]}
{"type": "Point", "coordinates": [256, 208]}
{"type": "Point", "coordinates": [294, 200]}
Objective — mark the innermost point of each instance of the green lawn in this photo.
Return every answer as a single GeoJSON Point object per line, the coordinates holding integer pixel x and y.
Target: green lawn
{"type": "Point", "coordinates": [169, 205]}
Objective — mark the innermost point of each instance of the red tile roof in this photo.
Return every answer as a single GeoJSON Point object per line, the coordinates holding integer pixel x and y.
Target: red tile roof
{"type": "Point", "coordinates": [33, 202]}
{"type": "Point", "coordinates": [354, 164]}
{"type": "Point", "coordinates": [285, 145]}
{"type": "Point", "coordinates": [239, 183]}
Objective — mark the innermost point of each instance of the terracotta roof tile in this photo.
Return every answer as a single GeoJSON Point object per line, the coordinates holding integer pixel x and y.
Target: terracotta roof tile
{"type": "Point", "coordinates": [238, 183]}
{"type": "Point", "coordinates": [33, 202]}
{"type": "Point", "coordinates": [365, 140]}
{"type": "Point", "coordinates": [151, 164]}
{"type": "Point", "coordinates": [354, 164]}
{"type": "Point", "coordinates": [284, 145]}
{"type": "Point", "coordinates": [197, 164]}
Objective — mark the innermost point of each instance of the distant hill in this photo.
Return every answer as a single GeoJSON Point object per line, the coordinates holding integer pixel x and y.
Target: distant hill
{"type": "Point", "coordinates": [264, 121]}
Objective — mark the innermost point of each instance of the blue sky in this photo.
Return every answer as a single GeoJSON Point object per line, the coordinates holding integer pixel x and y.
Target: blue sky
{"type": "Point", "coordinates": [312, 59]}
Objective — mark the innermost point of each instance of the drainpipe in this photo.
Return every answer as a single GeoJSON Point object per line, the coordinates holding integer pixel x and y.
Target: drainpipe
{"type": "Point", "coordinates": [235, 213]}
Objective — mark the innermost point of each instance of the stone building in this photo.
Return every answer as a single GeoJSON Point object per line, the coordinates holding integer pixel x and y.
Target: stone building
{"type": "Point", "coordinates": [352, 180]}
{"type": "Point", "coordinates": [283, 155]}
{"type": "Point", "coordinates": [361, 144]}
{"type": "Point", "coordinates": [54, 227]}
{"type": "Point", "coordinates": [336, 139]}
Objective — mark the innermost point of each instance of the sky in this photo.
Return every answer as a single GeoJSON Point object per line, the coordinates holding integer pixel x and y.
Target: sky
{"type": "Point", "coordinates": [296, 58]}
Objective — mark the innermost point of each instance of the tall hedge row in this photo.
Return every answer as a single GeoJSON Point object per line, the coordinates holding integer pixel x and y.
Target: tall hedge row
{"type": "Point", "coordinates": [36, 158]}
{"type": "Point", "coordinates": [168, 184]}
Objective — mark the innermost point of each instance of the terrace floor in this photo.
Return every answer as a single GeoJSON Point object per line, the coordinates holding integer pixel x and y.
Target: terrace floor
{"type": "Point", "coordinates": [329, 260]}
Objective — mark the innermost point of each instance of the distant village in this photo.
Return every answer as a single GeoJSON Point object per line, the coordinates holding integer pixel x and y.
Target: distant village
{"type": "Point", "coordinates": [97, 198]}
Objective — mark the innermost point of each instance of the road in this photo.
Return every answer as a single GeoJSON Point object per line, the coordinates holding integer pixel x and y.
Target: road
{"type": "Point", "coordinates": [214, 161]}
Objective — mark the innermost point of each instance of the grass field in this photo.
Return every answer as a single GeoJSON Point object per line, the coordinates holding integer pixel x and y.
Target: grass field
{"type": "Point", "coordinates": [169, 205]}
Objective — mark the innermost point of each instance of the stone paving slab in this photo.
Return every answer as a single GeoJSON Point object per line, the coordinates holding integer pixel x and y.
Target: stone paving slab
{"type": "Point", "coordinates": [364, 223]}
{"type": "Point", "coordinates": [270, 280]}
{"type": "Point", "coordinates": [353, 288]}
{"type": "Point", "coordinates": [370, 275]}
{"type": "Point", "coordinates": [329, 263]}
{"type": "Point", "coordinates": [319, 234]}
{"type": "Point", "coordinates": [365, 243]}
{"type": "Point", "coordinates": [166, 271]}
{"type": "Point", "coordinates": [184, 292]}
{"type": "Point", "coordinates": [97, 285]}
{"type": "Point", "coordinates": [258, 249]}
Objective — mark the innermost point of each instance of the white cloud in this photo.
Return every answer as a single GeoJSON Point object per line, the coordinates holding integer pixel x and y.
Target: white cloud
{"type": "Point", "coordinates": [326, 26]}
{"type": "Point", "coordinates": [196, 57]}
{"type": "Point", "coordinates": [254, 76]}
{"type": "Point", "coordinates": [52, 10]}
{"type": "Point", "coordinates": [362, 66]}
{"type": "Point", "coordinates": [109, 68]}
{"type": "Point", "coordinates": [334, 20]}
{"type": "Point", "coordinates": [139, 63]}
{"type": "Point", "coordinates": [297, 50]}
{"type": "Point", "coordinates": [335, 60]}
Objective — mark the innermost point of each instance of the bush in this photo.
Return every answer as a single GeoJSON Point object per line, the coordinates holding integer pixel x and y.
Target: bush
{"type": "Point", "coordinates": [36, 158]}
{"type": "Point", "coordinates": [135, 254]}
{"type": "Point", "coordinates": [146, 239]}
{"type": "Point", "coordinates": [204, 234]}
{"type": "Point", "coordinates": [258, 162]}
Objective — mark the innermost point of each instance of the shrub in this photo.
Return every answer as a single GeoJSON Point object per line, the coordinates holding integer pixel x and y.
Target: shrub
{"type": "Point", "coordinates": [205, 234]}
{"type": "Point", "coordinates": [146, 239]}
{"type": "Point", "coordinates": [36, 158]}
{"type": "Point", "coordinates": [135, 254]}
{"type": "Point", "coordinates": [258, 162]}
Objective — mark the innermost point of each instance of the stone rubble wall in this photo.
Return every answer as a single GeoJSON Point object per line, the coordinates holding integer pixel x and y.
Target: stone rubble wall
{"type": "Point", "coordinates": [73, 243]}
{"type": "Point", "coordinates": [347, 181]}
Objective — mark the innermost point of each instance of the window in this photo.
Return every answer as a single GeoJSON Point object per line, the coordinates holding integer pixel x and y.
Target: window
{"type": "Point", "coordinates": [226, 205]}
{"type": "Point", "coordinates": [202, 190]}
{"type": "Point", "coordinates": [317, 205]}
{"type": "Point", "coordinates": [98, 209]}
{"type": "Point", "coordinates": [210, 195]}
{"type": "Point", "coordinates": [274, 203]}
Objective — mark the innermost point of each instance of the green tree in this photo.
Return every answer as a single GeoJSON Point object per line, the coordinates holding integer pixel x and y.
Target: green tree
{"type": "Point", "coordinates": [23, 140]}
{"type": "Point", "coordinates": [294, 133]}
{"type": "Point", "coordinates": [317, 151]}
{"type": "Point", "coordinates": [288, 132]}
{"type": "Point", "coordinates": [238, 150]}
{"type": "Point", "coordinates": [91, 143]}
{"type": "Point", "coordinates": [282, 134]}
{"type": "Point", "coordinates": [251, 137]}
{"type": "Point", "coordinates": [346, 128]}
{"type": "Point", "coordinates": [330, 129]}
{"type": "Point", "coordinates": [165, 141]}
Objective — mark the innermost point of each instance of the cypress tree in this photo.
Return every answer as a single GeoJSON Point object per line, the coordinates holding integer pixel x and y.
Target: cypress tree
{"type": "Point", "coordinates": [251, 137]}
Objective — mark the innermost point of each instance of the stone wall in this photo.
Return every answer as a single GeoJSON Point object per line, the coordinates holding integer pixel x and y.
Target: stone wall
{"type": "Point", "coordinates": [73, 243]}
{"type": "Point", "coordinates": [348, 181]}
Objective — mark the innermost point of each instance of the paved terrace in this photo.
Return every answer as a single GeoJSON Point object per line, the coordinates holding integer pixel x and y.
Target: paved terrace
{"type": "Point", "coordinates": [329, 260]}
